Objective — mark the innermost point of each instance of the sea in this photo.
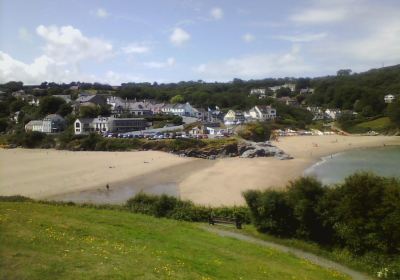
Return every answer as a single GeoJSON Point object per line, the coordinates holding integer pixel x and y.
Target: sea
{"type": "Point", "coordinates": [383, 161]}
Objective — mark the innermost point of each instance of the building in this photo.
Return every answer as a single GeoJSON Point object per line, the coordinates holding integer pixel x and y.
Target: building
{"type": "Point", "coordinates": [108, 124]}
{"type": "Point", "coordinates": [307, 91]}
{"type": "Point", "coordinates": [50, 124]}
{"type": "Point", "coordinates": [180, 110]}
{"type": "Point", "coordinates": [318, 113]}
{"type": "Point", "coordinates": [332, 114]}
{"type": "Point", "coordinates": [34, 125]}
{"type": "Point", "coordinates": [262, 113]}
{"type": "Point", "coordinates": [290, 86]}
{"type": "Point", "coordinates": [234, 118]}
{"type": "Point", "coordinates": [389, 98]}
{"type": "Point", "coordinates": [132, 107]}
{"type": "Point", "coordinates": [289, 101]}
{"type": "Point", "coordinates": [96, 99]}
{"type": "Point", "coordinates": [260, 92]}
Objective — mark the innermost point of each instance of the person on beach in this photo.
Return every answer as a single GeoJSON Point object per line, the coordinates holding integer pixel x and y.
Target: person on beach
{"type": "Point", "coordinates": [108, 187]}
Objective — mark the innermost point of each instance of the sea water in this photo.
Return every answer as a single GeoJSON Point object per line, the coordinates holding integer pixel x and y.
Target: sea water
{"type": "Point", "coordinates": [383, 161]}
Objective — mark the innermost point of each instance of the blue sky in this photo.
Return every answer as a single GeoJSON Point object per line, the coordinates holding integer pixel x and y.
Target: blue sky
{"type": "Point", "coordinates": [174, 40]}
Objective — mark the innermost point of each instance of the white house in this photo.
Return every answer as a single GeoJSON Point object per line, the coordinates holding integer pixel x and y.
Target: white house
{"type": "Point", "coordinates": [180, 110]}
{"type": "Point", "coordinates": [262, 113]}
{"type": "Point", "coordinates": [389, 98]}
{"type": "Point", "coordinates": [318, 113]}
{"type": "Point", "coordinates": [234, 118]}
{"type": "Point", "coordinates": [260, 92]}
{"type": "Point", "coordinates": [50, 124]}
{"type": "Point", "coordinates": [332, 113]}
{"type": "Point", "coordinates": [290, 86]}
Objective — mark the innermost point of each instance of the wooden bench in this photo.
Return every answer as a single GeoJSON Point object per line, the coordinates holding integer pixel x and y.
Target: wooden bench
{"type": "Point", "coordinates": [223, 220]}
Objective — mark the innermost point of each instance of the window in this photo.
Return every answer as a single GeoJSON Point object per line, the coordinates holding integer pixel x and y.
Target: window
{"type": "Point", "coordinates": [77, 125]}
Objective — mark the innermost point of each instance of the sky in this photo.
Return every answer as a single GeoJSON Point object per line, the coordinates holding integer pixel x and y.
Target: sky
{"type": "Point", "coordinates": [179, 40]}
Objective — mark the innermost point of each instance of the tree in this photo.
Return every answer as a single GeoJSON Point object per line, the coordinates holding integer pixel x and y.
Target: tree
{"type": "Point", "coordinates": [88, 112]}
{"type": "Point", "coordinates": [50, 105]}
{"type": "Point", "coordinates": [344, 72]}
{"type": "Point", "coordinates": [177, 99]}
{"type": "Point", "coordinates": [64, 110]}
{"type": "Point", "coordinates": [393, 112]}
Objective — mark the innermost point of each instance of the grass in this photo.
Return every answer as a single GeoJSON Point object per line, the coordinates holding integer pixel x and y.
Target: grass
{"type": "Point", "coordinates": [340, 256]}
{"type": "Point", "coordinates": [379, 125]}
{"type": "Point", "coordinates": [39, 241]}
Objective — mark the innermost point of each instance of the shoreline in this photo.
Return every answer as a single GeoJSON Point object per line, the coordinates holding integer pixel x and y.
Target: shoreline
{"type": "Point", "coordinates": [45, 174]}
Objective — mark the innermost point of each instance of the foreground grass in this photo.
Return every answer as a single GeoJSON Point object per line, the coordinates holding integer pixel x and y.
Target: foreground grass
{"type": "Point", "coordinates": [40, 241]}
{"type": "Point", "coordinates": [340, 256]}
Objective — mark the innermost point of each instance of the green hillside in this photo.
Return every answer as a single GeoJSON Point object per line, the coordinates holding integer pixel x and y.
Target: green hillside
{"type": "Point", "coordinates": [40, 241]}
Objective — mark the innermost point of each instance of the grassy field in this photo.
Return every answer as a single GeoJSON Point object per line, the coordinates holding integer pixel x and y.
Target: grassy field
{"type": "Point", "coordinates": [378, 125]}
{"type": "Point", "coordinates": [40, 241]}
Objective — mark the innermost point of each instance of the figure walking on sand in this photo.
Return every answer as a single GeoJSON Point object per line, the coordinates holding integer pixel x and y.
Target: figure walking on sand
{"type": "Point", "coordinates": [108, 187]}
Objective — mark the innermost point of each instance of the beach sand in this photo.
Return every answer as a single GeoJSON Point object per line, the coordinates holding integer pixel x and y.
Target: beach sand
{"type": "Point", "coordinates": [51, 173]}
{"type": "Point", "coordinates": [45, 173]}
{"type": "Point", "coordinates": [224, 182]}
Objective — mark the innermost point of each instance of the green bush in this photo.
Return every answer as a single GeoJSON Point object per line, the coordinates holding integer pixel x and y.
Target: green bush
{"type": "Point", "coordinates": [174, 208]}
{"type": "Point", "coordinates": [361, 215]}
{"type": "Point", "coordinates": [257, 131]}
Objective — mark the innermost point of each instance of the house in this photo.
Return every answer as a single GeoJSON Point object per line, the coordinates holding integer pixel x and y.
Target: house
{"type": "Point", "coordinates": [52, 123]}
{"type": "Point", "coordinates": [260, 92]}
{"type": "Point", "coordinates": [180, 110]}
{"type": "Point", "coordinates": [332, 114]}
{"type": "Point", "coordinates": [262, 113]}
{"type": "Point", "coordinates": [306, 91]}
{"type": "Point", "coordinates": [34, 125]}
{"type": "Point", "coordinates": [389, 98]}
{"type": "Point", "coordinates": [234, 118]}
{"type": "Point", "coordinates": [19, 93]}
{"type": "Point", "coordinates": [289, 101]}
{"type": "Point", "coordinates": [96, 99]}
{"type": "Point", "coordinates": [290, 86]}
{"type": "Point", "coordinates": [318, 113]}
{"type": "Point", "coordinates": [217, 131]}
{"type": "Point", "coordinates": [108, 124]}
{"type": "Point", "coordinates": [197, 130]}
{"type": "Point", "coordinates": [119, 106]}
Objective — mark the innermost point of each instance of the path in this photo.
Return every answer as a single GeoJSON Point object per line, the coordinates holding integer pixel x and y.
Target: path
{"type": "Point", "coordinates": [296, 252]}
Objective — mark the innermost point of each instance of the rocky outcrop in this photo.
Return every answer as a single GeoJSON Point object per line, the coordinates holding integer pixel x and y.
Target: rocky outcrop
{"type": "Point", "coordinates": [265, 149]}
{"type": "Point", "coordinates": [244, 149]}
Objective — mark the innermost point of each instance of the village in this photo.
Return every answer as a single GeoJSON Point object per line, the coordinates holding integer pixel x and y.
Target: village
{"type": "Point", "coordinates": [125, 118]}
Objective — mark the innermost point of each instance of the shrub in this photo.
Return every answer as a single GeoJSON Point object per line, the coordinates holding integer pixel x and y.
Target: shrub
{"type": "Point", "coordinates": [174, 208]}
{"type": "Point", "coordinates": [257, 132]}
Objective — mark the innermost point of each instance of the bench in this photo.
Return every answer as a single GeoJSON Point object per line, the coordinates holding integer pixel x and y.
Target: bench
{"type": "Point", "coordinates": [223, 220]}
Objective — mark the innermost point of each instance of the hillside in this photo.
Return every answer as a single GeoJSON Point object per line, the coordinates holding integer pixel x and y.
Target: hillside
{"type": "Point", "coordinates": [66, 242]}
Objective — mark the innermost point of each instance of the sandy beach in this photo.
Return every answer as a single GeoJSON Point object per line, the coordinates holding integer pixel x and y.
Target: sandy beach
{"type": "Point", "coordinates": [54, 174]}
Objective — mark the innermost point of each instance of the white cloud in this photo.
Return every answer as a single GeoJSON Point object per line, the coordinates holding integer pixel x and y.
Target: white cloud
{"type": "Point", "coordinates": [137, 48]}
{"type": "Point", "coordinates": [24, 34]}
{"type": "Point", "coordinates": [101, 13]}
{"type": "Point", "coordinates": [179, 37]}
{"type": "Point", "coordinates": [256, 66]}
{"type": "Point", "coordinates": [216, 13]}
{"type": "Point", "coordinates": [308, 37]}
{"type": "Point", "coordinates": [67, 44]}
{"type": "Point", "coordinates": [248, 38]}
{"type": "Point", "coordinates": [320, 15]}
{"type": "Point", "coordinates": [65, 48]}
{"type": "Point", "coordinates": [163, 64]}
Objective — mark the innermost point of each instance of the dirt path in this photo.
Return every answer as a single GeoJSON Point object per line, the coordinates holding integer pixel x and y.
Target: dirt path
{"type": "Point", "coordinates": [296, 252]}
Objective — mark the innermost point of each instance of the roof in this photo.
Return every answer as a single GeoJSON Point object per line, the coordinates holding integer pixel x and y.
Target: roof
{"type": "Point", "coordinates": [54, 117]}
{"type": "Point", "coordinates": [35, 122]}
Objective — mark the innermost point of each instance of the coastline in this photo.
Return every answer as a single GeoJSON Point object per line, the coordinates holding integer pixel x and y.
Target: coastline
{"type": "Point", "coordinates": [52, 174]}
